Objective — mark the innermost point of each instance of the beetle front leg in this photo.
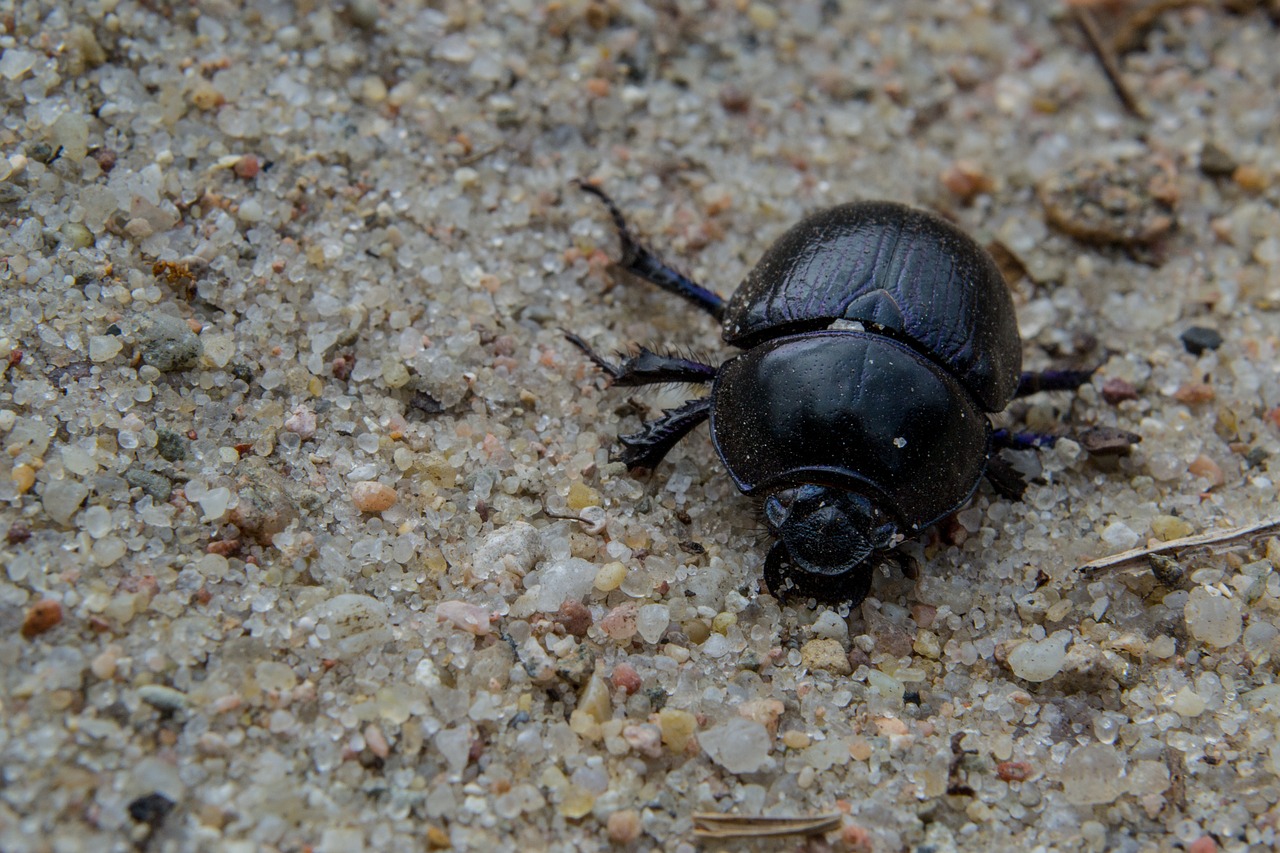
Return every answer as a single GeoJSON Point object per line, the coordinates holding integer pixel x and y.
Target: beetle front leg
{"type": "Point", "coordinates": [647, 448]}
{"type": "Point", "coordinates": [647, 367]}
{"type": "Point", "coordinates": [639, 260]}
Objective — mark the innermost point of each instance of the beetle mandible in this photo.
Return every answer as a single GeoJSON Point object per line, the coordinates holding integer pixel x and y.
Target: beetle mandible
{"type": "Point", "coordinates": [876, 339]}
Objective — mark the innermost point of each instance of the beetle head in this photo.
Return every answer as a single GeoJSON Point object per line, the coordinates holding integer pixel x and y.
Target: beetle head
{"type": "Point", "coordinates": [825, 537]}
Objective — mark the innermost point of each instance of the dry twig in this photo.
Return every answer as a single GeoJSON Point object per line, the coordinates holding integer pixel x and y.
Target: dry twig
{"type": "Point", "coordinates": [1106, 56]}
{"type": "Point", "coordinates": [1215, 537]}
{"type": "Point", "coordinates": [715, 825]}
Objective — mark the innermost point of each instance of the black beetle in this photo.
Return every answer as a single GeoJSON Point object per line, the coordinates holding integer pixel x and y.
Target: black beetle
{"type": "Point", "coordinates": [877, 338]}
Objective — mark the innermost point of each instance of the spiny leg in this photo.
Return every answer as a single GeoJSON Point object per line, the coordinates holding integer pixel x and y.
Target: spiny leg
{"type": "Point", "coordinates": [1005, 479]}
{"type": "Point", "coordinates": [647, 367]}
{"type": "Point", "coordinates": [639, 260]}
{"type": "Point", "coordinates": [645, 449]}
{"type": "Point", "coordinates": [1052, 380]}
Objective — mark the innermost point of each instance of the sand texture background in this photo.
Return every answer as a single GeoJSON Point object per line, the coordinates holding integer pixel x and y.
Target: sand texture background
{"type": "Point", "coordinates": [299, 470]}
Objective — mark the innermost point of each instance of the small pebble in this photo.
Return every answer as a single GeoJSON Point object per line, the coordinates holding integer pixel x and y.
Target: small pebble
{"type": "Point", "coordinates": [1116, 390]}
{"type": "Point", "coordinates": [266, 504]}
{"type": "Point", "coordinates": [1213, 618]}
{"type": "Point", "coordinates": [1091, 775]}
{"type": "Point", "coordinates": [247, 167]}
{"type": "Point", "coordinates": [1250, 178]}
{"type": "Point", "coordinates": [1130, 202]}
{"type": "Point", "coordinates": [42, 616]}
{"type": "Point", "coordinates": [738, 745]}
{"type": "Point", "coordinates": [372, 496]}
{"type": "Point", "coordinates": [574, 617]}
{"type": "Point", "coordinates": [163, 698]}
{"type": "Point", "coordinates": [967, 180]}
{"type": "Point", "coordinates": [594, 707]}
{"type": "Point", "coordinates": [644, 738]}
{"type": "Point", "coordinates": [376, 741]}
{"type": "Point", "coordinates": [151, 809]}
{"type": "Point", "coordinates": [471, 618]}
{"type": "Point", "coordinates": [61, 499]}
{"type": "Point", "coordinates": [927, 645]}
{"type": "Point", "coordinates": [825, 654]}
{"type": "Point", "coordinates": [1199, 339]}
{"type": "Point", "coordinates": [625, 678]}
{"type": "Point", "coordinates": [156, 485]}
{"type": "Point", "coordinates": [1167, 527]}
{"type": "Point", "coordinates": [831, 626]}
{"type": "Point", "coordinates": [23, 477]}
{"type": "Point", "coordinates": [1203, 844]}
{"type": "Point", "coordinates": [610, 576]}
{"type": "Point", "coordinates": [1203, 466]}
{"type": "Point", "coordinates": [581, 496]}
{"type": "Point", "coordinates": [1119, 536]}
{"type": "Point", "coordinates": [515, 547]}
{"type": "Point", "coordinates": [620, 623]}
{"type": "Point", "coordinates": [1014, 771]}
{"type": "Point", "coordinates": [794, 739]}
{"type": "Point", "coordinates": [1106, 441]}
{"type": "Point", "coordinates": [302, 423]}
{"type": "Point", "coordinates": [1038, 661]}
{"type": "Point", "coordinates": [167, 343]}
{"type": "Point", "coordinates": [1188, 703]}
{"type": "Point", "coordinates": [652, 621]}
{"type": "Point", "coordinates": [623, 826]}
{"type": "Point", "coordinates": [1193, 393]}
{"type": "Point", "coordinates": [1217, 162]}
{"type": "Point", "coordinates": [677, 728]}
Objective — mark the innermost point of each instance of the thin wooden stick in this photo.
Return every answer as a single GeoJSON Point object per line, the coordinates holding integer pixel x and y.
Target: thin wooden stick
{"type": "Point", "coordinates": [716, 825]}
{"type": "Point", "coordinates": [1110, 67]}
{"type": "Point", "coordinates": [1215, 537]}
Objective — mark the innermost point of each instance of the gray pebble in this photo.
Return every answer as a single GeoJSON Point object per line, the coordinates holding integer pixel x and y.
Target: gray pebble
{"type": "Point", "coordinates": [150, 482]}
{"type": "Point", "coordinates": [168, 344]}
{"type": "Point", "coordinates": [164, 698]}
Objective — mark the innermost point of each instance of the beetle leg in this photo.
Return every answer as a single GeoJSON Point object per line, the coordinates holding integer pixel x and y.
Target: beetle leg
{"type": "Point", "coordinates": [1005, 479]}
{"type": "Point", "coordinates": [647, 367]}
{"type": "Point", "coordinates": [1007, 440]}
{"type": "Point", "coordinates": [639, 260]}
{"type": "Point", "coordinates": [1052, 380]}
{"type": "Point", "coordinates": [645, 449]}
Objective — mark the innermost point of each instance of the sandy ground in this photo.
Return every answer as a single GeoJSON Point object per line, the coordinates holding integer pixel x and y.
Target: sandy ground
{"type": "Point", "coordinates": [292, 431]}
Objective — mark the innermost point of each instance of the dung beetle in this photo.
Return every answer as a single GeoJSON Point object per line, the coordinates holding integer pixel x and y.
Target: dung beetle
{"type": "Point", "coordinates": [876, 339]}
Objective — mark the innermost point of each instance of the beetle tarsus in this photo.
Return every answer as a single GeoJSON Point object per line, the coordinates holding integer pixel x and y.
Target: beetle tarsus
{"type": "Point", "coordinates": [599, 361]}
{"type": "Point", "coordinates": [647, 448]}
{"type": "Point", "coordinates": [640, 261]}
{"type": "Point", "coordinates": [1052, 380]}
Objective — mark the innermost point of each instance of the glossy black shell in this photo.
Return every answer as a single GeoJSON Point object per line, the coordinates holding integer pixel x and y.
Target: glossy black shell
{"type": "Point", "coordinates": [923, 280]}
{"type": "Point", "coordinates": [858, 411]}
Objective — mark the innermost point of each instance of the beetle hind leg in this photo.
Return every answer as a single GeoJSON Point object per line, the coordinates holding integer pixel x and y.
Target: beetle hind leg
{"type": "Point", "coordinates": [647, 367]}
{"type": "Point", "coordinates": [1052, 380]}
{"type": "Point", "coordinates": [647, 448]}
{"type": "Point", "coordinates": [1007, 440]}
{"type": "Point", "coordinates": [640, 261]}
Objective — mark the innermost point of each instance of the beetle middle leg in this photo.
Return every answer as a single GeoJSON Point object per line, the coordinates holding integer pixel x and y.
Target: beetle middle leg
{"type": "Point", "coordinates": [639, 260]}
{"type": "Point", "coordinates": [647, 367]}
